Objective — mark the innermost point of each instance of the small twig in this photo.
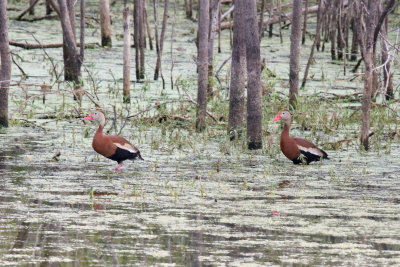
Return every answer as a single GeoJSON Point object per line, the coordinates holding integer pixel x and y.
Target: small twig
{"type": "Point", "coordinates": [49, 58]}
{"type": "Point", "coordinates": [18, 66]}
{"type": "Point", "coordinates": [194, 102]}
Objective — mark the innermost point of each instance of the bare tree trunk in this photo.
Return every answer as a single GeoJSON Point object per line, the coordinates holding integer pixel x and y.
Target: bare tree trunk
{"type": "Point", "coordinates": [139, 39]}
{"type": "Point", "coordinates": [5, 64]}
{"type": "Point", "coordinates": [189, 8]}
{"type": "Point", "coordinates": [127, 57]}
{"type": "Point", "coordinates": [340, 29]}
{"type": "Point", "coordinates": [48, 7]}
{"type": "Point", "coordinates": [213, 26]}
{"type": "Point", "coordinates": [32, 10]}
{"type": "Point", "coordinates": [202, 64]}
{"type": "Point", "coordinates": [333, 26]}
{"type": "Point", "coordinates": [320, 14]}
{"type": "Point", "coordinates": [238, 75]}
{"type": "Point", "coordinates": [72, 56]}
{"type": "Point", "coordinates": [271, 13]}
{"type": "Point", "coordinates": [82, 31]}
{"type": "Point", "coordinates": [148, 27]}
{"type": "Point", "coordinates": [160, 46]}
{"type": "Point", "coordinates": [260, 24]}
{"type": "Point", "coordinates": [387, 72]}
{"type": "Point", "coordinates": [105, 23]}
{"type": "Point", "coordinates": [303, 38]}
{"type": "Point", "coordinates": [354, 42]}
{"type": "Point", "coordinates": [254, 112]}
{"type": "Point", "coordinates": [295, 36]}
{"type": "Point", "coordinates": [68, 64]}
{"type": "Point", "coordinates": [367, 48]}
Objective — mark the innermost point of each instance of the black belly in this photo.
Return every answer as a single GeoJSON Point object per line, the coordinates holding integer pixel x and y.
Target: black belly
{"type": "Point", "coordinates": [121, 154]}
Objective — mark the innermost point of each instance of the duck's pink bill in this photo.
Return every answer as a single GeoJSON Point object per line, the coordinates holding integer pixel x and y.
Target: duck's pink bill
{"type": "Point", "coordinates": [277, 118]}
{"type": "Point", "coordinates": [88, 118]}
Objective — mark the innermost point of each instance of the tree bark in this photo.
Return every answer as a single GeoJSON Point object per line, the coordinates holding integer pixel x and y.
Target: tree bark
{"type": "Point", "coordinates": [160, 45]}
{"type": "Point", "coordinates": [202, 64]}
{"type": "Point", "coordinates": [5, 64]}
{"type": "Point", "coordinates": [213, 25]}
{"type": "Point", "coordinates": [354, 42]}
{"type": "Point", "coordinates": [320, 14]}
{"type": "Point", "coordinates": [332, 27]}
{"type": "Point", "coordinates": [127, 57]}
{"type": "Point", "coordinates": [148, 27]}
{"type": "Point", "coordinates": [387, 72]}
{"type": "Point", "coordinates": [71, 55]}
{"type": "Point", "coordinates": [82, 31]}
{"type": "Point", "coordinates": [303, 37]}
{"type": "Point", "coordinates": [105, 23]}
{"type": "Point", "coordinates": [295, 36]}
{"type": "Point", "coordinates": [139, 39]}
{"type": "Point", "coordinates": [238, 75]}
{"type": "Point", "coordinates": [254, 112]}
{"type": "Point", "coordinates": [189, 8]}
{"type": "Point", "coordinates": [271, 12]}
{"type": "Point", "coordinates": [367, 47]}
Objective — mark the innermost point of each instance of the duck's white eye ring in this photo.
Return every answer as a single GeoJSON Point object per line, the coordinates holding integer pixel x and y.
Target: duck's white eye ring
{"type": "Point", "coordinates": [95, 113]}
{"type": "Point", "coordinates": [283, 113]}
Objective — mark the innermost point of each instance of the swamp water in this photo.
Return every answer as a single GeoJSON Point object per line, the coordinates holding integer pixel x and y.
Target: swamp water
{"type": "Point", "coordinates": [197, 199]}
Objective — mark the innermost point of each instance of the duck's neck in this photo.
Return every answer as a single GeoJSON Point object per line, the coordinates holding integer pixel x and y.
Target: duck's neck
{"type": "Point", "coordinates": [286, 128]}
{"type": "Point", "coordinates": [99, 131]}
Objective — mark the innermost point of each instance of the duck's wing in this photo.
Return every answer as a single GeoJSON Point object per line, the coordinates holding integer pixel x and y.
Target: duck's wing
{"type": "Point", "coordinates": [123, 143]}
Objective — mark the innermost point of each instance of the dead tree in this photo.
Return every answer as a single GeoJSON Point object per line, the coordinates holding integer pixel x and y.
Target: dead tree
{"type": "Point", "coordinates": [333, 26]}
{"type": "Point", "coordinates": [70, 49]}
{"type": "Point", "coordinates": [160, 40]}
{"type": "Point", "coordinates": [386, 60]}
{"type": "Point", "coordinates": [238, 75]}
{"type": "Point", "coordinates": [5, 65]}
{"type": "Point", "coordinates": [214, 12]}
{"type": "Point", "coordinates": [138, 19]}
{"type": "Point", "coordinates": [295, 36]}
{"type": "Point", "coordinates": [105, 23]}
{"type": "Point", "coordinates": [271, 13]}
{"type": "Point", "coordinates": [82, 31]}
{"type": "Point", "coordinates": [127, 57]}
{"type": "Point", "coordinates": [253, 61]}
{"type": "Point", "coordinates": [303, 37]}
{"type": "Point", "coordinates": [366, 41]}
{"type": "Point", "coordinates": [320, 14]}
{"type": "Point", "coordinates": [189, 8]}
{"type": "Point", "coordinates": [202, 64]}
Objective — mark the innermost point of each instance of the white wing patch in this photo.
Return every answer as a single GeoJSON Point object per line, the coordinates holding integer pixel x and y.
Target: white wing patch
{"type": "Point", "coordinates": [127, 147]}
{"type": "Point", "coordinates": [312, 150]}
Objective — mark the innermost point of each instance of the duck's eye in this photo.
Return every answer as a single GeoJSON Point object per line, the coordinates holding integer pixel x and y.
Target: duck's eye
{"type": "Point", "coordinates": [95, 113]}
{"type": "Point", "coordinates": [283, 113]}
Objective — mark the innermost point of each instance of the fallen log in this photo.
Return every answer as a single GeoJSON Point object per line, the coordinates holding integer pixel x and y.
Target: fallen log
{"type": "Point", "coordinates": [54, 45]}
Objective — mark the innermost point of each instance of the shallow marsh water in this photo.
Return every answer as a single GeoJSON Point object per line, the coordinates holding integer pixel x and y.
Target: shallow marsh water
{"type": "Point", "coordinates": [197, 199]}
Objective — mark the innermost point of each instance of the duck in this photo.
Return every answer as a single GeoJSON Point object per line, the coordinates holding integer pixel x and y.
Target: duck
{"type": "Point", "coordinates": [113, 147]}
{"type": "Point", "coordinates": [297, 150]}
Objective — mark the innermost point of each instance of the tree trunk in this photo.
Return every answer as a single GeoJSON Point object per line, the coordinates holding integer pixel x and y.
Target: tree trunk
{"type": "Point", "coordinates": [139, 39]}
{"type": "Point", "coordinates": [5, 64]}
{"type": "Point", "coordinates": [105, 23]}
{"type": "Point", "coordinates": [303, 37]}
{"type": "Point", "coordinates": [295, 36]}
{"type": "Point", "coordinates": [82, 31]}
{"type": "Point", "coordinates": [254, 111]}
{"type": "Point", "coordinates": [202, 64]}
{"type": "Point", "coordinates": [72, 57]}
{"type": "Point", "coordinates": [260, 24]}
{"type": "Point", "coordinates": [160, 45]}
{"type": "Point", "coordinates": [48, 8]}
{"type": "Point", "coordinates": [354, 42]}
{"type": "Point", "coordinates": [271, 13]}
{"type": "Point", "coordinates": [387, 72]}
{"type": "Point", "coordinates": [367, 47]}
{"type": "Point", "coordinates": [320, 14]}
{"type": "Point", "coordinates": [32, 10]}
{"type": "Point", "coordinates": [213, 26]}
{"type": "Point", "coordinates": [127, 57]}
{"type": "Point", "coordinates": [68, 64]}
{"type": "Point", "coordinates": [238, 75]}
{"type": "Point", "coordinates": [189, 8]}
{"type": "Point", "coordinates": [332, 32]}
{"type": "Point", "coordinates": [148, 27]}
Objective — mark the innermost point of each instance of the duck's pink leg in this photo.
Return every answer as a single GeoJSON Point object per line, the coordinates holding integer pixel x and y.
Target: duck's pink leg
{"type": "Point", "coordinates": [118, 168]}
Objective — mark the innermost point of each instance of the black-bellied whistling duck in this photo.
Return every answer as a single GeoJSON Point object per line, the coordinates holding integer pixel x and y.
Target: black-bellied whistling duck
{"type": "Point", "coordinates": [297, 150]}
{"type": "Point", "coordinates": [112, 146]}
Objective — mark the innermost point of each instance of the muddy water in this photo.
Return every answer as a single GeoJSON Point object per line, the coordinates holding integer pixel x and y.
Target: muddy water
{"type": "Point", "coordinates": [197, 199]}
